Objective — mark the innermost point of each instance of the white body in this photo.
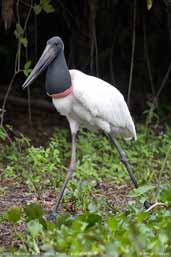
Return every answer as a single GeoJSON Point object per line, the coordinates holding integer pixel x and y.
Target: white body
{"type": "Point", "coordinates": [95, 104]}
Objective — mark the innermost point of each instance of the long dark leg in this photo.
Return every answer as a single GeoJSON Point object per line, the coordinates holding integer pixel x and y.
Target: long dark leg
{"type": "Point", "coordinates": [123, 159]}
{"type": "Point", "coordinates": [68, 176]}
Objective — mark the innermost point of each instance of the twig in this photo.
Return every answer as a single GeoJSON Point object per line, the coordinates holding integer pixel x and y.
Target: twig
{"type": "Point", "coordinates": [28, 15]}
{"type": "Point", "coordinates": [35, 38]}
{"type": "Point", "coordinates": [28, 96]}
{"type": "Point", "coordinates": [17, 60]}
{"type": "Point", "coordinates": [16, 70]}
{"type": "Point", "coordinates": [17, 11]}
{"type": "Point", "coordinates": [156, 205]}
{"type": "Point", "coordinates": [5, 98]}
{"type": "Point", "coordinates": [111, 61]}
{"type": "Point", "coordinates": [133, 52]}
{"type": "Point", "coordinates": [162, 169]}
{"type": "Point", "coordinates": [163, 81]}
{"type": "Point", "coordinates": [28, 89]}
{"type": "Point", "coordinates": [96, 51]}
{"type": "Point", "coordinates": [18, 54]}
{"type": "Point", "coordinates": [147, 58]}
{"type": "Point", "coordinates": [9, 139]}
{"type": "Point", "coordinates": [94, 47]}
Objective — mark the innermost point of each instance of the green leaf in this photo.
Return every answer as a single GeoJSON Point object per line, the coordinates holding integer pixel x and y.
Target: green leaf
{"type": "Point", "coordinates": [37, 9]}
{"type": "Point", "coordinates": [27, 65]}
{"type": "Point", "coordinates": [87, 220]}
{"type": "Point", "coordinates": [33, 211]}
{"type": "Point", "coordinates": [165, 194]}
{"type": "Point", "coordinates": [19, 29]}
{"type": "Point", "coordinates": [49, 9]}
{"type": "Point", "coordinates": [112, 222]}
{"type": "Point", "coordinates": [35, 228]}
{"type": "Point", "coordinates": [140, 191]}
{"type": "Point", "coordinates": [46, 6]}
{"type": "Point", "coordinates": [2, 134]}
{"type": "Point", "coordinates": [13, 214]}
{"type": "Point", "coordinates": [27, 68]}
{"type": "Point", "coordinates": [149, 4]}
{"type": "Point", "coordinates": [24, 41]}
{"type": "Point", "coordinates": [27, 72]}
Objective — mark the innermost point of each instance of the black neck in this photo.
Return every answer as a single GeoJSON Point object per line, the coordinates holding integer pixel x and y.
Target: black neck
{"type": "Point", "coordinates": [58, 78]}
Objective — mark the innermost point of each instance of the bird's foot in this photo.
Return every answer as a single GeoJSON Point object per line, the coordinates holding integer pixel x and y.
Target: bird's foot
{"type": "Point", "coordinates": [51, 216]}
{"type": "Point", "coordinates": [147, 204]}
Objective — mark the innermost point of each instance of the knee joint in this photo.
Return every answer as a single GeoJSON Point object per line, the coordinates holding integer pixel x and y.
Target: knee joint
{"type": "Point", "coordinates": [124, 159]}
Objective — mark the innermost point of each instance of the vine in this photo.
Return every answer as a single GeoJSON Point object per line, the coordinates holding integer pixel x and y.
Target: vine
{"type": "Point", "coordinates": [20, 34]}
{"type": "Point", "coordinates": [22, 45]}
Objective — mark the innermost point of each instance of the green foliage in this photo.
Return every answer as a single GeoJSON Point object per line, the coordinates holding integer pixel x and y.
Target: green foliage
{"type": "Point", "coordinates": [133, 233]}
{"type": "Point", "coordinates": [45, 6]}
{"type": "Point", "coordinates": [149, 4]}
{"type": "Point", "coordinates": [165, 193]}
{"type": "Point", "coordinates": [13, 214]}
{"type": "Point", "coordinates": [27, 68]}
{"type": "Point", "coordinates": [33, 211]}
{"type": "Point", "coordinates": [19, 33]}
{"type": "Point", "coordinates": [140, 190]}
{"type": "Point", "coordinates": [99, 226]}
{"type": "Point", "coordinates": [2, 134]}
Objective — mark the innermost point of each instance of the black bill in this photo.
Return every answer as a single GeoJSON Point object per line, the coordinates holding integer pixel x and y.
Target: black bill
{"type": "Point", "coordinates": [47, 57]}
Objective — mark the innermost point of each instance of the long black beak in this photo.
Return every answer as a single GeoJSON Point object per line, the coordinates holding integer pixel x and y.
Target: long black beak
{"type": "Point", "coordinates": [47, 57]}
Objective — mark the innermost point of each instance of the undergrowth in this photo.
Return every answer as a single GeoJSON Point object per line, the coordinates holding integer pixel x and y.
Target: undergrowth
{"type": "Point", "coordinates": [97, 226]}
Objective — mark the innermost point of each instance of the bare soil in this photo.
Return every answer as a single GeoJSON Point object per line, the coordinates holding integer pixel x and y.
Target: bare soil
{"type": "Point", "coordinates": [40, 129]}
{"type": "Point", "coordinates": [18, 195]}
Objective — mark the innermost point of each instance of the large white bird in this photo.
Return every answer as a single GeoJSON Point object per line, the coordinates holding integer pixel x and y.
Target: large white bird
{"type": "Point", "coordinates": [86, 101]}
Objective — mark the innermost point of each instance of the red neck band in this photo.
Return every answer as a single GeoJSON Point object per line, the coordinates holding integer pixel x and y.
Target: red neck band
{"type": "Point", "coordinates": [62, 94]}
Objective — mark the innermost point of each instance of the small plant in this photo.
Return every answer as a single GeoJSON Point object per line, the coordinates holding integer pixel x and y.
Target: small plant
{"type": "Point", "coordinates": [91, 223]}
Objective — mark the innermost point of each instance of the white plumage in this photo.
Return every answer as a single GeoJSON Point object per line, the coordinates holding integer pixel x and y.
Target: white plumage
{"type": "Point", "coordinates": [91, 103]}
{"type": "Point", "coordinates": [95, 104]}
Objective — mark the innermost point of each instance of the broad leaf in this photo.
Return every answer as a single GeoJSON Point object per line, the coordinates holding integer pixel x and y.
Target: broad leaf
{"type": "Point", "coordinates": [14, 214]}
{"type": "Point", "coordinates": [33, 211]}
{"type": "Point", "coordinates": [140, 190]}
{"type": "Point", "coordinates": [149, 4]}
{"type": "Point", "coordinates": [35, 228]}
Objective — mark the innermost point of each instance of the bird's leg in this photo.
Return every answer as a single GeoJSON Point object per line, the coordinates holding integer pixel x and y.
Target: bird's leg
{"type": "Point", "coordinates": [123, 159]}
{"type": "Point", "coordinates": [68, 176]}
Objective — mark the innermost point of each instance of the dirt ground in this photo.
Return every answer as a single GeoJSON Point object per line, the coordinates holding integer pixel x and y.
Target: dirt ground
{"type": "Point", "coordinates": [18, 195]}
{"type": "Point", "coordinates": [40, 130]}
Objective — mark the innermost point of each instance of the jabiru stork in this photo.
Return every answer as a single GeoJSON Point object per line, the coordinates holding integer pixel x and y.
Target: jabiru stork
{"type": "Point", "coordinates": [86, 101]}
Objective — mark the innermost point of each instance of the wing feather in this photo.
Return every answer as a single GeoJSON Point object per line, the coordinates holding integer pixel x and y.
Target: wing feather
{"type": "Point", "coordinates": [102, 100]}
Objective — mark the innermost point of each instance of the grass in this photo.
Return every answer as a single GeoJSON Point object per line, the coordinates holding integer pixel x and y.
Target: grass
{"type": "Point", "coordinates": [101, 214]}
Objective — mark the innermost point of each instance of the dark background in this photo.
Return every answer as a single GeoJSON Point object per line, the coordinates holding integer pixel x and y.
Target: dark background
{"type": "Point", "coordinates": [98, 40]}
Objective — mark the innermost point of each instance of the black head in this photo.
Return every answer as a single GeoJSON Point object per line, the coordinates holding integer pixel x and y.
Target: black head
{"type": "Point", "coordinates": [53, 47]}
{"type": "Point", "coordinates": [56, 42]}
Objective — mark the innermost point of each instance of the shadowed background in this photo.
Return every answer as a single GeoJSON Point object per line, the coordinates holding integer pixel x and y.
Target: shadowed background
{"type": "Point", "coordinates": [102, 38]}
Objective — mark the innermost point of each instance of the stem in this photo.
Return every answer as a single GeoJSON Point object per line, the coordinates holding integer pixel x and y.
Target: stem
{"type": "Point", "coordinates": [133, 52]}
{"type": "Point", "coordinates": [111, 61]}
{"type": "Point", "coordinates": [28, 16]}
{"type": "Point", "coordinates": [94, 47]}
{"type": "Point", "coordinates": [9, 139]}
{"type": "Point", "coordinates": [17, 11]}
{"type": "Point", "coordinates": [156, 205]}
{"type": "Point", "coordinates": [164, 81]}
{"type": "Point", "coordinates": [17, 63]}
{"type": "Point", "coordinates": [162, 169]}
{"type": "Point", "coordinates": [6, 97]}
{"type": "Point", "coordinates": [146, 53]}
